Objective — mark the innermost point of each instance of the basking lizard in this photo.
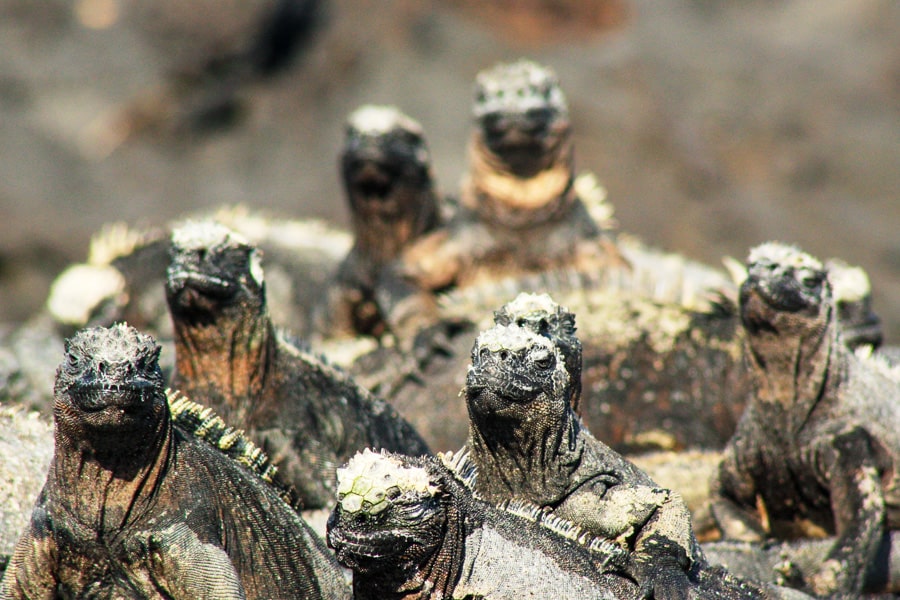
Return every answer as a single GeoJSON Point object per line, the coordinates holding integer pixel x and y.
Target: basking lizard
{"type": "Point", "coordinates": [817, 449]}
{"type": "Point", "coordinates": [387, 176]}
{"type": "Point", "coordinates": [526, 443]}
{"type": "Point", "coordinates": [306, 414]}
{"type": "Point", "coordinates": [407, 528]}
{"type": "Point", "coordinates": [134, 507]}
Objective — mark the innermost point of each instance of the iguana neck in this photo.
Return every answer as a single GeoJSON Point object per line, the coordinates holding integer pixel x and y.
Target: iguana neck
{"type": "Point", "coordinates": [503, 198]}
{"type": "Point", "coordinates": [790, 376]}
{"type": "Point", "coordinates": [380, 239]}
{"type": "Point", "coordinates": [106, 481]}
{"type": "Point", "coordinates": [226, 364]}
{"type": "Point", "coordinates": [435, 579]}
{"type": "Point", "coordinates": [534, 461]}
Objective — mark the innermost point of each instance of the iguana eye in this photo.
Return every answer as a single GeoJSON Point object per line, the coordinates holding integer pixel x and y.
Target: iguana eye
{"type": "Point", "coordinates": [809, 278]}
{"type": "Point", "coordinates": [543, 327]}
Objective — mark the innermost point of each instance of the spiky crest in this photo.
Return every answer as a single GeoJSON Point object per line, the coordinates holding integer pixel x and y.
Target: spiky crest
{"type": "Point", "coordinates": [607, 551]}
{"type": "Point", "coordinates": [203, 423]}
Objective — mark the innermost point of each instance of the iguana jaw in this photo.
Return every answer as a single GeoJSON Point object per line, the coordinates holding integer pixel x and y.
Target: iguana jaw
{"type": "Point", "coordinates": [524, 145]}
{"type": "Point", "coordinates": [129, 397]}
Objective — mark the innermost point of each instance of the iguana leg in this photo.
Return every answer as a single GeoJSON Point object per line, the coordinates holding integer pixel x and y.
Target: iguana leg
{"type": "Point", "coordinates": [663, 550]}
{"type": "Point", "coordinates": [733, 502]}
{"type": "Point", "coordinates": [189, 569]}
{"type": "Point", "coordinates": [857, 502]}
{"type": "Point", "coordinates": [30, 573]}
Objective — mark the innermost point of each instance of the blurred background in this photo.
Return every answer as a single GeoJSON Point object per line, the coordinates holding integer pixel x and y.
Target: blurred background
{"type": "Point", "coordinates": [715, 125]}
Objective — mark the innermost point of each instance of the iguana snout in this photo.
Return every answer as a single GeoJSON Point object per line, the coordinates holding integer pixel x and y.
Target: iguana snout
{"type": "Point", "coordinates": [784, 288]}
{"type": "Point", "coordinates": [211, 265]}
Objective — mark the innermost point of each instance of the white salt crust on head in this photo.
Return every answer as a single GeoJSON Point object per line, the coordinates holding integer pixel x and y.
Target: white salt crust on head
{"type": "Point", "coordinates": [523, 84]}
{"type": "Point", "coordinates": [783, 254]}
{"type": "Point", "coordinates": [511, 337]}
{"type": "Point", "coordinates": [375, 119]}
{"type": "Point", "coordinates": [196, 235]}
{"type": "Point", "coordinates": [364, 482]}
{"type": "Point", "coordinates": [527, 303]}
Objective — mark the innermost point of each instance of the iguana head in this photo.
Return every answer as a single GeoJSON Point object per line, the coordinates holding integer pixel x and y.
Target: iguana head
{"type": "Point", "coordinates": [109, 380]}
{"type": "Point", "coordinates": [786, 292]}
{"type": "Point", "coordinates": [386, 168]}
{"type": "Point", "coordinates": [521, 156]}
{"type": "Point", "coordinates": [540, 314]}
{"type": "Point", "coordinates": [390, 513]}
{"type": "Point", "coordinates": [852, 292]}
{"type": "Point", "coordinates": [521, 116]}
{"type": "Point", "coordinates": [515, 374]}
{"type": "Point", "coordinates": [213, 271]}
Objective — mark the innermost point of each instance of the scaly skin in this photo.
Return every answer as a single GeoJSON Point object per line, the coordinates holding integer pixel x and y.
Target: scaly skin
{"type": "Point", "coordinates": [409, 529]}
{"type": "Point", "coordinates": [526, 443]}
{"type": "Point", "coordinates": [135, 508]}
{"type": "Point", "coordinates": [816, 450]}
{"type": "Point", "coordinates": [389, 185]}
{"type": "Point", "coordinates": [541, 315]}
{"type": "Point", "coordinates": [307, 415]}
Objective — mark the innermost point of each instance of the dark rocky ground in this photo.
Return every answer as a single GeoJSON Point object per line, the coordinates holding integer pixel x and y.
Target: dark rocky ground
{"type": "Point", "coordinates": [715, 125]}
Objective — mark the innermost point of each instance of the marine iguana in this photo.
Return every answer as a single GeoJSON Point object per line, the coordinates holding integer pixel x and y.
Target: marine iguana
{"type": "Point", "coordinates": [387, 177]}
{"type": "Point", "coordinates": [519, 209]}
{"type": "Point", "coordinates": [123, 276]}
{"type": "Point", "coordinates": [414, 528]}
{"type": "Point", "coordinates": [525, 442]}
{"type": "Point", "coordinates": [409, 529]}
{"type": "Point", "coordinates": [817, 449]}
{"type": "Point", "coordinates": [133, 507]}
{"type": "Point", "coordinates": [306, 414]}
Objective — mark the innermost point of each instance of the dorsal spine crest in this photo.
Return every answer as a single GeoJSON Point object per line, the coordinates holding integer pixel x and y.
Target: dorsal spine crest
{"type": "Point", "coordinates": [609, 552]}
{"type": "Point", "coordinates": [203, 423]}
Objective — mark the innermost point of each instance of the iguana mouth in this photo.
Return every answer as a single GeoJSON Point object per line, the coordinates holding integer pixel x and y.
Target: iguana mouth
{"type": "Point", "coordinates": [374, 182]}
{"type": "Point", "coordinates": [356, 550]}
{"type": "Point", "coordinates": [127, 397]}
{"type": "Point", "coordinates": [193, 292]}
{"type": "Point", "coordinates": [764, 297]}
{"type": "Point", "coordinates": [204, 283]}
{"type": "Point", "coordinates": [509, 390]}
